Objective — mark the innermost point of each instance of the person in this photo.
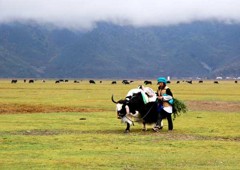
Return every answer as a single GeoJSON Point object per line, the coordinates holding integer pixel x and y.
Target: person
{"type": "Point", "coordinates": [165, 101]}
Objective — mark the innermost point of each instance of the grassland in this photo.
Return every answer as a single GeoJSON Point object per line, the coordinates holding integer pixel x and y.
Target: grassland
{"type": "Point", "coordinates": [74, 126]}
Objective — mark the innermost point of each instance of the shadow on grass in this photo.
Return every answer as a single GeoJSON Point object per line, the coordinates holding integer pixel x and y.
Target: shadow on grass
{"type": "Point", "coordinates": [166, 135]}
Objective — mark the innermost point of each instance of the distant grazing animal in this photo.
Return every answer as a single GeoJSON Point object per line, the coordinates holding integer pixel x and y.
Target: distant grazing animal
{"type": "Point", "coordinates": [57, 81]}
{"type": "Point", "coordinates": [14, 81]}
{"type": "Point", "coordinates": [134, 106]}
{"type": "Point", "coordinates": [114, 82]}
{"type": "Point", "coordinates": [24, 80]}
{"type": "Point", "coordinates": [31, 81]}
{"type": "Point", "coordinates": [200, 81]}
{"type": "Point", "coordinates": [168, 81]}
{"type": "Point", "coordinates": [75, 81]}
{"type": "Point", "coordinates": [189, 81]}
{"type": "Point", "coordinates": [178, 82]}
{"type": "Point", "coordinates": [146, 82]}
{"type": "Point", "coordinates": [236, 81]}
{"type": "Point", "coordinates": [66, 80]}
{"type": "Point", "coordinates": [215, 82]}
{"type": "Point", "coordinates": [125, 82]}
{"type": "Point", "coordinates": [92, 82]}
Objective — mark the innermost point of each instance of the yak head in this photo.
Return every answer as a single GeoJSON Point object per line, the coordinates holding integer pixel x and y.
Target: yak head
{"type": "Point", "coordinates": [128, 105]}
{"type": "Point", "coordinates": [121, 107]}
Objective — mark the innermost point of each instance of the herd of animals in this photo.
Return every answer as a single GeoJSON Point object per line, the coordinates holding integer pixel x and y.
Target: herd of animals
{"type": "Point", "coordinates": [146, 82]}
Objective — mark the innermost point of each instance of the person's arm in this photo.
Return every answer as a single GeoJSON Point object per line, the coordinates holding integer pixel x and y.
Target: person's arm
{"type": "Point", "coordinates": [168, 96]}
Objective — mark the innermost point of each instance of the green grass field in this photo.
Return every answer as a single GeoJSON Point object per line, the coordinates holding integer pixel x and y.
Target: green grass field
{"type": "Point", "coordinates": [74, 126]}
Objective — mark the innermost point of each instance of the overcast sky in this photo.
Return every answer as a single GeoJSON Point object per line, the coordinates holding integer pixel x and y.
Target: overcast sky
{"type": "Point", "coordinates": [84, 14]}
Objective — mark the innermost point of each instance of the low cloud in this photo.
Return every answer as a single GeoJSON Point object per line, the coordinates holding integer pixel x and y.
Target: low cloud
{"type": "Point", "coordinates": [84, 14]}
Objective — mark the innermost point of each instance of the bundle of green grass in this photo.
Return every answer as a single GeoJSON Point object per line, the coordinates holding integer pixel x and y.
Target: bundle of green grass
{"type": "Point", "coordinates": [178, 108]}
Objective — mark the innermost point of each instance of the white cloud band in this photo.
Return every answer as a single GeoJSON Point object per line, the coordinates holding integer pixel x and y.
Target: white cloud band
{"type": "Point", "coordinates": [84, 14]}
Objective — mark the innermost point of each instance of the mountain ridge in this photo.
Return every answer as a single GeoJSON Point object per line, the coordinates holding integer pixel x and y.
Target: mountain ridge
{"type": "Point", "coordinates": [200, 49]}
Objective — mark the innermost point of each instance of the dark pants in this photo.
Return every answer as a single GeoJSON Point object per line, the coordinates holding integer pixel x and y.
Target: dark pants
{"type": "Point", "coordinates": [163, 114]}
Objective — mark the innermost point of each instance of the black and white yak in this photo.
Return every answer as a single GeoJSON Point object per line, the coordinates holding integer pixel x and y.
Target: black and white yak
{"type": "Point", "coordinates": [138, 105]}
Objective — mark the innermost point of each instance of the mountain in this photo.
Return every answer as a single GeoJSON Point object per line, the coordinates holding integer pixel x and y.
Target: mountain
{"type": "Point", "coordinates": [199, 49]}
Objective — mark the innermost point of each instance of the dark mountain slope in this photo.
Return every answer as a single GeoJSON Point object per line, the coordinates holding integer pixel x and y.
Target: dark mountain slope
{"type": "Point", "coordinates": [110, 51]}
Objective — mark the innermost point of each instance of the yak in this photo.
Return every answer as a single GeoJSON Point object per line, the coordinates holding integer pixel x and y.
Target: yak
{"type": "Point", "coordinates": [134, 106]}
{"type": "Point", "coordinates": [92, 82]}
{"type": "Point", "coordinates": [146, 82]}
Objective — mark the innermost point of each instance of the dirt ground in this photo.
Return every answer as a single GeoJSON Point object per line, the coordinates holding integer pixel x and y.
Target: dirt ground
{"type": "Point", "coordinates": [192, 106]}
{"type": "Point", "coordinates": [214, 106]}
{"type": "Point", "coordinates": [23, 108]}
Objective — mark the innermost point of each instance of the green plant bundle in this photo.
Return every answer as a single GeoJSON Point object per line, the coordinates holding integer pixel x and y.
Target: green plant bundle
{"type": "Point", "coordinates": [178, 107]}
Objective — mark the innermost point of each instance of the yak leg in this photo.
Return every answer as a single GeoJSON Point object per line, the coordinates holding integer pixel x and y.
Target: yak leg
{"type": "Point", "coordinates": [127, 130]}
{"type": "Point", "coordinates": [161, 126]}
{"type": "Point", "coordinates": [144, 126]}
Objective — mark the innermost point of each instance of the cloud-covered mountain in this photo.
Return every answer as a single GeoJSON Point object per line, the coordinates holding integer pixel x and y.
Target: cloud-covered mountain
{"type": "Point", "coordinates": [198, 49]}
{"type": "Point", "coordinates": [85, 14]}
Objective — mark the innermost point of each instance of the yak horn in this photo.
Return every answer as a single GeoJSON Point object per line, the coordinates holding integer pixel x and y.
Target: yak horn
{"type": "Point", "coordinates": [114, 100]}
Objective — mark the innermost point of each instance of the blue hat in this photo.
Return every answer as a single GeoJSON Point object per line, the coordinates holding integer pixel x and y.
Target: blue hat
{"type": "Point", "coordinates": [162, 79]}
